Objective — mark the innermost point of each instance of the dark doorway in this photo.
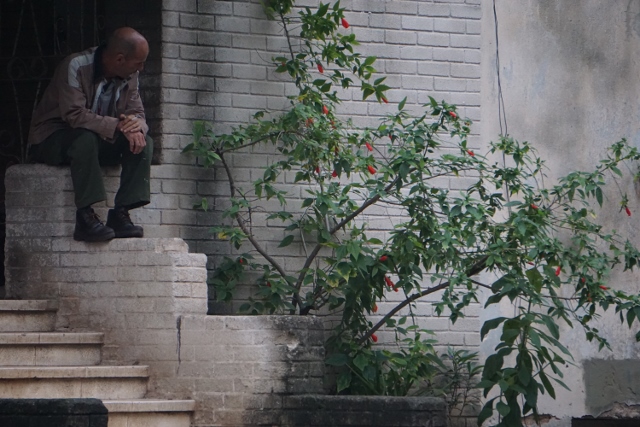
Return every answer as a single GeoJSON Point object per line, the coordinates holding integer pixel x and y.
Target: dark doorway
{"type": "Point", "coordinates": [34, 36]}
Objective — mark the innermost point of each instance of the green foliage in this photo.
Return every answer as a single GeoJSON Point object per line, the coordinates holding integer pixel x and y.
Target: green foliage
{"type": "Point", "coordinates": [455, 381]}
{"type": "Point", "coordinates": [551, 260]}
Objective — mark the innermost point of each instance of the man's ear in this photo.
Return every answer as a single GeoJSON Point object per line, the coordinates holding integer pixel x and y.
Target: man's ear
{"type": "Point", "coordinates": [120, 59]}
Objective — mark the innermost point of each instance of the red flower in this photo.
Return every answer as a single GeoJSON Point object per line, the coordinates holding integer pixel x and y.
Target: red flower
{"type": "Point", "coordinates": [452, 114]}
{"type": "Point", "coordinates": [320, 69]}
{"type": "Point", "coordinates": [374, 338]}
{"type": "Point", "coordinates": [384, 99]}
{"type": "Point", "coordinates": [333, 124]}
{"type": "Point", "coordinates": [369, 147]}
{"type": "Point", "coordinates": [558, 270]}
{"type": "Point", "coordinates": [389, 282]}
{"type": "Point", "coordinates": [371, 169]}
{"type": "Point", "coordinates": [471, 153]}
{"type": "Point", "coordinates": [334, 174]}
{"type": "Point", "coordinates": [533, 206]}
{"type": "Point", "coordinates": [395, 289]}
{"type": "Point", "coordinates": [240, 261]}
{"type": "Point", "coordinates": [383, 258]}
{"type": "Point", "coordinates": [345, 24]}
{"type": "Point", "coordinates": [626, 208]}
{"type": "Point", "coordinates": [604, 288]}
{"type": "Point", "coordinates": [583, 279]}
{"type": "Point", "coordinates": [309, 121]}
{"type": "Point", "coordinates": [269, 284]}
{"type": "Point", "coordinates": [375, 308]}
{"type": "Point", "coordinates": [530, 263]}
{"type": "Point", "coordinates": [318, 169]}
{"type": "Point", "coordinates": [325, 110]}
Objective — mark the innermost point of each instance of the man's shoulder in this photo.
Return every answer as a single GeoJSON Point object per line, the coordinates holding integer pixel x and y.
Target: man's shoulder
{"type": "Point", "coordinates": [73, 63]}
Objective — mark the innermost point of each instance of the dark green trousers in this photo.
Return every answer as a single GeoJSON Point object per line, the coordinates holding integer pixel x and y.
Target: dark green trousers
{"type": "Point", "coordinates": [85, 152]}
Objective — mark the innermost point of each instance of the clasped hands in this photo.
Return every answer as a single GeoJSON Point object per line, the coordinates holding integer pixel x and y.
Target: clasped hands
{"type": "Point", "coordinates": [131, 128]}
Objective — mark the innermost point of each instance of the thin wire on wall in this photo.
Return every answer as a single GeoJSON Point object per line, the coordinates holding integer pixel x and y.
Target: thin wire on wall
{"type": "Point", "coordinates": [502, 114]}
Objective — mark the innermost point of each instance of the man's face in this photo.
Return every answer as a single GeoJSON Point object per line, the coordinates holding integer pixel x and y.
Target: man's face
{"type": "Point", "coordinates": [127, 65]}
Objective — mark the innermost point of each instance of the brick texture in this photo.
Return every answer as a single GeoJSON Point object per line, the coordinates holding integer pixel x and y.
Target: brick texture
{"type": "Point", "coordinates": [220, 73]}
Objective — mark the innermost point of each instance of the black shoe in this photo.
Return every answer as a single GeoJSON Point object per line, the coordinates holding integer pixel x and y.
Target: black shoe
{"type": "Point", "coordinates": [120, 221]}
{"type": "Point", "coordinates": [89, 228]}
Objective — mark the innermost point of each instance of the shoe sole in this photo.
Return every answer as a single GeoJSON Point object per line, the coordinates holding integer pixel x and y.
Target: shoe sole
{"type": "Point", "coordinates": [124, 234]}
{"type": "Point", "coordinates": [93, 238]}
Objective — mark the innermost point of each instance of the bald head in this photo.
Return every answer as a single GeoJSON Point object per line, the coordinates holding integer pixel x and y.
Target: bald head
{"type": "Point", "coordinates": [126, 40]}
{"type": "Point", "coordinates": [125, 53]}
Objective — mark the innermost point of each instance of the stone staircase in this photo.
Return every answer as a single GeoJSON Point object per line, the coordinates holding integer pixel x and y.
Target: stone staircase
{"type": "Point", "coordinates": [36, 362]}
{"type": "Point", "coordinates": [125, 321]}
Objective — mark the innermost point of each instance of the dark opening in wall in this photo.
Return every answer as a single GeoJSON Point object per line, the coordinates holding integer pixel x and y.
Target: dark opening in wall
{"type": "Point", "coordinates": [604, 422]}
{"type": "Point", "coordinates": [34, 37]}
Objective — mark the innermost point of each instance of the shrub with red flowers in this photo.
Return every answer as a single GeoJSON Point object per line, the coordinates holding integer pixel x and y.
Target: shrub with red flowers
{"type": "Point", "coordinates": [531, 240]}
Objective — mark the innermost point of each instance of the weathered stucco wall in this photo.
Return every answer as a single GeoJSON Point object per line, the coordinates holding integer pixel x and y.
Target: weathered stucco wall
{"type": "Point", "coordinates": [570, 76]}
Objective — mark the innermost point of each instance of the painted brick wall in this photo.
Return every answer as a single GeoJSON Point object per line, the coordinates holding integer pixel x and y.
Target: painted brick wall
{"type": "Point", "coordinates": [144, 16]}
{"type": "Point", "coordinates": [215, 67]}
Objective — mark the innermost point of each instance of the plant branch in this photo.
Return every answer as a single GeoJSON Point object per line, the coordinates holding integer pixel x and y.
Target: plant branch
{"type": "Point", "coordinates": [243, 227]}
{"type": "Point", "coordinates": [472, 271]}
{"type": "Point", "coordinates": [286, 33]}
{"type": "Point", "coordinates": [337, 227]}
{"type": "Point", "coordinates": [252, 143]}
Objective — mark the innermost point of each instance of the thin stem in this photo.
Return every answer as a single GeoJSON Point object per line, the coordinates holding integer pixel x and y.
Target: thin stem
{"type": "Point", "coordinates": [243, 227]}
{"type": "Point", "coordinates": [337, 227]}
{"type": "Point", "coordinates": [286, 33]}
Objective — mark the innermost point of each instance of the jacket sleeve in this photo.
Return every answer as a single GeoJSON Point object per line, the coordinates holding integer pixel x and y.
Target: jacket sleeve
{"type": "Point", "coordinates": [73, 103]}
{"type": "Point", "coordinates": [134, 102]}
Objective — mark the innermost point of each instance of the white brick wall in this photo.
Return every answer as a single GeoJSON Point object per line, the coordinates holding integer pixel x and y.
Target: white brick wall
{"type": "Point", "coordinates": [215, 67]}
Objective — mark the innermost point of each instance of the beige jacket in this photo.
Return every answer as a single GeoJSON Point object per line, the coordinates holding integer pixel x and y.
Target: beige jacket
{"type": "Point", "coordinates": [71, 99]}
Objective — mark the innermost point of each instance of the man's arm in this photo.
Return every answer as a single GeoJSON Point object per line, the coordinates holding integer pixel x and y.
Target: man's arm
{"type": "Point", "coordinates": [73, 104]}
{"type": "Point", "coordinates": [134, 107]}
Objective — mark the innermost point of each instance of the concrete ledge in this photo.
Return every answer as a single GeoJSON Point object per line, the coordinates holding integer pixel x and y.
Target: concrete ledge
{"type": "Point", "coordinates": [28, 305]}
{"type": "Point", "coordinates": [346, 411]}
{"type": "Point", "coordinates": [50, 338]}
{"type": "Point", "coordinates": [149, 405]}
{"type": "Point", "coordinates": [19, 372]}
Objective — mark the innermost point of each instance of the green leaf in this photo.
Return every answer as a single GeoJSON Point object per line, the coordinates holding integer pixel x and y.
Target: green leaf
{"type": "Point", "coordinates": [286, 241]}
{"type": "Point", "coordinates": [552, 326]}
{"type": "Point", "coordinates": [487, 411]}
{"type": "Point", "coordinates": [492, 365]}
{"type": "Point", "coordinates": [503, 409]}
{"type": "Point", "coordinates": [599, 196]}
{"type": "Point", "coordinates": [547, 384]}
{"type": "Point", "coordinates": [344, 381]}
{"type": "Point", "coordinates": [489, 325]}
{"type": "Point", "coordinates": [361, 361]}
{"type": "Point", "coordinates": [337, 359]}
{"type": "Point", "coordinates": [535, 278]}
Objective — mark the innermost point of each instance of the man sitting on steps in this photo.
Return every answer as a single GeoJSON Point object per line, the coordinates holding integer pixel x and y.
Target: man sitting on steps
{"type": "Point", "coordinates": [91, 115]}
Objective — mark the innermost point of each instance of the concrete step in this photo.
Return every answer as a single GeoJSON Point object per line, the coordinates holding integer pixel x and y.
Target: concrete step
{"type": "Point", "coordinates": [27, 315]}
{"type": "Point", "coordinates": [147, 413]}
{"type": "Point", "coordinates": [101, 382]}
{"type": "Point", "coordinates": [50, 348]}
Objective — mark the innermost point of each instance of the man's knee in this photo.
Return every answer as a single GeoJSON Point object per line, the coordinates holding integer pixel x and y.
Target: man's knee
{"type": "Point", "coordinates": [84, 144]}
